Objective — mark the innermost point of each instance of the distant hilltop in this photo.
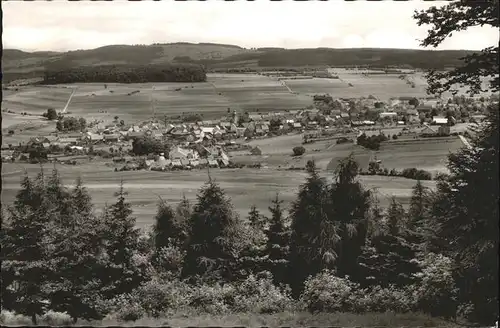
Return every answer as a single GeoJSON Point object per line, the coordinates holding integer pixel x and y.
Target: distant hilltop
{"type": "Point", "coordinates": [19, 64]}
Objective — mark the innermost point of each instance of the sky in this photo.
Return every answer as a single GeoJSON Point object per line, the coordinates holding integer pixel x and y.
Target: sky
{"type": "Point", "coordinates": [61, 26]}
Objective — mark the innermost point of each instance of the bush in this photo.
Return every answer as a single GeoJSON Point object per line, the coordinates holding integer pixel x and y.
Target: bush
{"type": "Point", "coordinates": [415, 174]}
{"type": "Point", "coordinates": [131, 312]}
{"type": "Point", "coordinates": [10, 318]}
{"type": "Point", "coordinates": [260, 295]}
{"type": "Point", "coordinates": [298, 151]}
{"type": "Point", "coordinates": [52, 318]}
{"type": "Point", "coordinates": [51, 114]}
{"type": "Point", "coordinates": [157, 298]}
{"type": "Point", "coordinates": [327, 293]}
{"type": "Point", "coordinates": [378, 299]}
{"type": "Point", "coordinates": [436, 293]}
{"type": "Point", "coordinates": [372, 142]}
{"type": "Point", "coordinates": [169, 259]}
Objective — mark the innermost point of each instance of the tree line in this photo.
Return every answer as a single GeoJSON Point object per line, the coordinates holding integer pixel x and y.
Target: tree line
{"type": "Point", "coordinates": [126, 74]}
{"type": "Point", "coordinates": [59, 254]}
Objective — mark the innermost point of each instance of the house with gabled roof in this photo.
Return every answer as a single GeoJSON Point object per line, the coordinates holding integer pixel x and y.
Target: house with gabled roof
{"type": "Point", "coordinates": [255, 118]}
{"type": "Point", "coordinates": [427, 130]}
{"type": "Point", "coordinates": [68, 141]}
{"type": "Point", "coordinates": [111, 137]}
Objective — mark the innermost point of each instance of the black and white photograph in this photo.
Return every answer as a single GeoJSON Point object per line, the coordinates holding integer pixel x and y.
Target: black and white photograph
{"type": "Point", "coordinates": [250, 163]}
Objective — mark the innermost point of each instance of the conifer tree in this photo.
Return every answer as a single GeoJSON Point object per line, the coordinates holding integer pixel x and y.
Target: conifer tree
{"type": "Point", "coordinates": [255, 219]}
{"type": "Point", "coordinates": [170, 236]}
{"type": "Point", "coordinates": [122, 244]}
{"type": "Point", "coordinates": [215, 232]}
{"type": "Point", "coordinates": [25, 269]}
{"type": "Point", "coordinates": [466, 220]}
{"type": "Point", "coordinates": [77, 246]}
{"type": "Point", "coordinates": [376, 218]}
{"type": "Point", "coordinates": [278, 237]}
{"type": "Point", "coordinates": [349, 212]}
{"type": "Point", "coordinates": [310, 242]}
{"type": "Point", "coordinates": [419, 222]}
{"type": "Point", "coordinates": [165, 230]}
{"type": "Point", "coordinates": [183, 212]}
{"type": "Point", "coordinates": [387, 259]}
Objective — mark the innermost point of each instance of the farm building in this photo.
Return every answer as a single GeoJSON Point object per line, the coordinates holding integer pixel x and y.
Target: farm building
{"type": "Point", "coordinates": [427, 130]}
{"type": "Point", "coordinates": [93, 137]}
{"type": "Point", "coordinates": [436, 120]}
{"type": "Point", "coordinates": [68, 141]}
{"type": "Point", "coordinates": [111, 137]}
{"type": "Point", "coordinates": [179, 153]}
{"type": "Point", "coordinates": [388, 115]}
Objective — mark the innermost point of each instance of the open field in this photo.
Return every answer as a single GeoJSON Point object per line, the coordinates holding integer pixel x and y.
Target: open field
{"type": "Point", "coordinates": [277, 152]}
{"type": "Point", "coordinates": [244, 186]}
{"type": "Point", "coordinates": [318, 86]}
{"type": "Point", "coordinates": [383, 86]}
{"type": "Point", "coordinates": [288, 319]}
{"type": "Point", "coordinates": [257, 92]}
{"type": "Point", "coordinates": [428, 154]}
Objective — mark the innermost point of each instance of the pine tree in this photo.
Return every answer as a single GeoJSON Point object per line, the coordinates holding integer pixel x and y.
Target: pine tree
{"type": "Point", "coordinates": [122, 244]}
{"type": "Point", "coordinates": [349, 212]}
{"type": "Point", "coordinates": [387, 259]}
{"type": "Point", "coordinates": [467, 223]}
{"type": "Point", "coordinates": [26, 249]}
{"type": "Point", "coordinates": [466, 220]}
{"type": "Point", "coordinates": [183, 213]}
{"type": "Point", "coordinates": [165, 233]}
{"type": "Point", "coordinates": [75, 256]}
{"type": "Point", "coordinates": [214, 242]}
{"type": "Point", "coordinates": [278, 237]}
{"type": "Point", "coordinates": [310, 241]}
{"type": "Point", "coordinates": [376, 222]}
{"type": "Point", "coordinates": [255, 219]}
{"type": "Point", "coordinates": [419, 222]}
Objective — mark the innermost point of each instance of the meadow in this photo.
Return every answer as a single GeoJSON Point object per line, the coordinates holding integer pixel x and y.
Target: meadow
{"type": "Point", "coordinates": [244, 186]}
{"type": "Point", "coordinates": [211, 98]}
{"type": "Point", "coordinates": [288, 319]}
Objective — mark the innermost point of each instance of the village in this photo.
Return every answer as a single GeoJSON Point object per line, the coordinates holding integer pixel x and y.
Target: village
{"type": "Point", "coordinates": [177, 144]}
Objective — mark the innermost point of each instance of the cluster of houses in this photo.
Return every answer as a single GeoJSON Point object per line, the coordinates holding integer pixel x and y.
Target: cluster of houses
{"type": "Point", "coordinates": [189, 158]}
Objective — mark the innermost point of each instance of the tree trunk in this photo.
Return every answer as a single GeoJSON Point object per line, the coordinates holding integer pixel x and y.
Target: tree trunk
{"type": "Point", "coordinates": [33, 319]}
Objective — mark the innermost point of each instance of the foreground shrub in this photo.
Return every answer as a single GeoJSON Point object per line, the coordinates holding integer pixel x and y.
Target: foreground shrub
{"type": "Point", "coordinates": [436, 292]}
{"type": "Point", "coordinates": [169, 260]}
{"type": "Point", "coordinates": [378, 299]}
{"type": "Point", "coordinates": [262, 296]}
{"type": "Point", "coordinates": [215, 299]}
{"type": "Point", "coordinates": [327, 293]}
{"type": "Point", "coordinates": [11, 318]}
{"type": "Point", "coordinates": [131, 312]}
{"type": "Point", "coordinates": [157, 298]}
{"type": "Point", "coordinates": [52, 318]}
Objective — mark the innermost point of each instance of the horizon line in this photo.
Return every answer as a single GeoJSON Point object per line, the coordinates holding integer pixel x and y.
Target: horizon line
{"type": "Point", "coordinates": [430, 48]}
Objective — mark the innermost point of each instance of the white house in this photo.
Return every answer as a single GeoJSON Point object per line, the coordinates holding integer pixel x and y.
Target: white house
{"type": "Point", "coordinates": [179, 153]}
{"type": "Point", "coordinates": [436, 120]}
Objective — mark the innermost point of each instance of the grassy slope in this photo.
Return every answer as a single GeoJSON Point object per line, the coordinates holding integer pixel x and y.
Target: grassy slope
{"type": "Point", "coordinates": [255, 320]}
{"type": "Point", "coordinates": [18, 64]}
